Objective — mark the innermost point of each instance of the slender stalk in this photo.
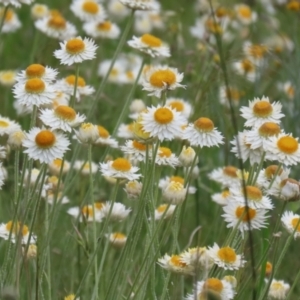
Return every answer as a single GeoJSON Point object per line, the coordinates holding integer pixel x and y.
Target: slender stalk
{"type": "Point", "coordinates": [73, 99]}
{"type": "Point", "coordinates": [3, 19]}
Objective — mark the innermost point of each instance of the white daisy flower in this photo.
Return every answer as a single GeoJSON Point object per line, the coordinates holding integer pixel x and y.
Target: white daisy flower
{"type": "Point", "coordinates": [202, 133]}
{"type": "Point", "coordinates": [104, 29]}
{"type": "Point", "coordinates": [119, 168]}
{"type": "Point", "coordinates": [136, 107]}
{"type": "Point", "coordinates": [283, 148]}
{"type": "Point", "coordinates": [158, 79]}
{"type": "Point", "coordinates": [220, 289]}
{"type": "Point", "coordinates": [46, 74]}
{"type": "Point", "coordinates": [32, 176]}
{"type": "Point", "coordinates": [85, 168]}
{"type": "Point", "coordinates": [50, 198]}
{"type": "Point", "coordinates": [198, 258]}
{"type": "Point", "coordinates": [289, 89]}
{"type": "Point", "coordinates": [278, 289]}
{"type": "Point", "coordinates": [165, 211]}
{"type": "Point", "coordinates": [164, 182]}
{"type": "Point", "coordinates": [234, 93]}
{"type": "Point", "coordinates": [117, 239]}
{"type": "Point", "coordinates": [291, 223]}
{"type": "Point", "coordinates": [221, 198]}
{"type": "Point", "coordinates": [7, 126]}
{"type": "Point", "coordinates": [87, 213]}
{"type": "Point", "coordinates": [255, 52]}
{"type": "Point", "coordinates": [180, 105]}
{"type": "Point", "coordinates": [286, 189]}
{"type": "Point", "coordinates": [76, 50]}
{"type": "Point", "coordinates": [116, 72]}
{"type": "Point", "coordinates": [136, 150]}
{"type": "Point", "coordinates": [226, 257]}
{"type": "Point", "coordinates": [187, 156]}
{"type": "Point", "coordinates": [260, 111]}
{"type": "Point", "coordinates": [244, 14]}
{"type": "Point", "coordinates": [165, 157]}
{"type": "Point", "coordinates": [17, 231]}
{"type": "Point", "coordinates": [11, 22]}
{"type": "Point", "coordinates": [162, 122]}
{"type": "Point", "coordinates": [246, 68]}
{"type": "Point", "coordinates": [39, 11]}
{"type": "Point", "coordinates": [125, 131]}
{"type": "Point", "coordinates": [226, 176]}
{"type": "Point", "coordinates": [175, 264]}
{"type": "Point", "coordinates": [141, 4]}
{"type": "Point", "coordinates": [117, 10]}
{"type": "Point", "coordinates": [133, 189]}
{"type": "Point", "coordinates": [34, 91]}
{"type": "Point", "coordinates": [56, 164]}
{"type": "Point", "coordinates": [88, 10]}
{"type": "Point", "coordinates": [8, 77]}
{"type": "Point", "coordinates": [105, 138]}
{"type": "Point", "coordinates": [45, 145]}
{"type": "Point", "coordinates": [266, 175]}
{"type": "Point", "coordinates": [150, 44]}
{"type": "Point", "coordinates": [56, 26]}
{"type": "Point", "coordinates": [62, 117]}
{"type": "Point", "coordinates": [245, 153]}
{"type": "Point", "coordinates": [115, 211]}
{"type": "Point", "coordinates": [174, 193]}
{"type": "Point", "coordinates": [87, 133]}
{"type": "Point", "coordinates": [236, 213]}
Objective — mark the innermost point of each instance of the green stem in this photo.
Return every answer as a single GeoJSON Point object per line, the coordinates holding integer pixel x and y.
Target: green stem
{"type": "Point", "coordinates": [73, 99]}
{"type": "Point", "coordinates": [3, 19]}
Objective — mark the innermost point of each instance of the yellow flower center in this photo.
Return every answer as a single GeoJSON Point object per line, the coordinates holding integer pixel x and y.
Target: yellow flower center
{"type": "Point", "coordinates": [164, 152]}
{"type": "Point", "coordinates": [271, 171]}
{"type": "Point", "coordinates": [15, 228]}
{"type": "Point", "coordinates": [247, 65]}
{"type": "Point", "coordinates": [253, 193]}
{"type": "Point", "coordinates": [104, 26]}
{"type": "Point", "coordinates": [118, 236]}
{"type": "Point", "coordinates": [162, 208]}
{"type": "Point", "coordinates": [102, 132]}
{"type": "Point", "coordinates": [295, 221]}
{"type": "Point", "coordinates": [287, 144]}
{"type": "Point", "coordinates": [177, 179]}
{"type": "Point", "coordinates": [163, 115]}
{"type": "Point", "coordinates": [221, 12]}
{"type": "Point", "coordinates": [35, 86]}
{"type": "Point", "coordinates": [290, 91]}
{"type": "Point", "coordinates": [242, 213]}
{"type": "Point", "coordinates": [139, 146]}
{"type": "Point", "coordinates": [45, 139]}
{"type": "Point", "coordinates": [87, 211]}
{"type": "Point", "coordinates": [35, 70]}
{"type": "Point", "coordinates": [213, 26]}
{"type": "Point", "coordinates": [53, 179]}
{"type": "Point", "coordinates": [70, 297]}
{"type": "Point", "coordinates": [225, 193]}
{"type": "Point", "coordinates": [99, 205]}
{"type": "Point", "coordinates": [161, 78]}
{"type": "Point", "coordinates": [75, 46]}
{"type": "Point", "coordinates": [233, 94]}
{"type": "Point", "coordinates": [269, 129]}
{"type": "Point", "coordinates": [213, 284]}
{"type": "Point", "coordinates": [230, 171]}
{"type": "Point", "coordinates": [293, 5]}
{"type": "Point", "coordinates": [57, 22]}
{"type": "Point", "coordinates": [150, 40]}
{"type": "Point", "coordinates": [269, 268]}
{"type": "Point", "coordinates": [57, 162]}
{"type": "Point", "coordinates": [9, 15]}
{"type": "Point", "coordinates": [3, 124]}
{"type": "Point", "coordinates": [262, 109]}
{"type": "Point", "coordinates": [8, 76]}
{"type": "Point", "coordinates": [65, 112]}
{"type": "Point", "coordinates": [90, 7]}
{"type": "Point", "coordinates": [130, 75]}
{"type": "Point", "coordinates": [71, 80]}
{"type": "Point", "coordinates": [227, 254]}
{"type": "Point", "coordinates": [204, 124]}
{"type": "Point", "coordinates": [175, 186]}
{"type": "Point", "coordinates": [176, 261]}
{"type": "Point", "coordinates": [121, 164]}
{"type": "Point", "coordinates": [178, 105]}
{"type": "Point", "coordinates": [245, 11]}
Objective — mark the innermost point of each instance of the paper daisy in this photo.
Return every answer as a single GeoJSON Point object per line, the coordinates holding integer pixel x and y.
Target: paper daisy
{"type": "Point", "coordinates": [56, 164]}
{"type": "Point", "coordinates": [165, 211]}
{"type": "Point", "coordinates": [116, 212]}
{"type": "Point", "coordinates": [7, 126]}
{"type": "Point", "coordinates": [136, 150]}
{"type": "Point", "coordinates": [174, 193]}
{"type": "Point", "coordinates": [133, 189]}
{"type": "Point", "coordinates": [283, 148]}
{"type": "Point", "coordinates": [87, 133]}
{"type": "Point", "coordinates": [117, 239]}
{"type": "Point", "coordinates": [226, 176]}
{"type": "Point", "coordinates": [85, 167]}
{"type": "Point", "coordinates": [286, 189]}
{"type": "Point", "coordinates": [278, 289]}
{"type": "Point", "coordinates": [198, 258]}
{"type": "Point", "coordinates": [119, 168]}
{"type": "Point", "coordinates": [226, 257]}
{"type": "Point", "coordinates": [45, 145]}
{"type": "Point", "coordinates": [159, 79]}
{"type": "Point", "coordinates": [255, 52]}
{"type": "Point", "coordinates": [150, 44]}
{"type": "Point", "coordinates": [87, 213]}
{"type": "Point", "coordinates": [260, 111]}
{"type": "Point", "coordinates": [162, 122]}
{"type": "Point", "coordinates": [62, 117]}
{"type": "Point", "coordinates": [46, 74]}
{"type": "Point", "coordinates": [50, 198]}
{"type": "Point", "coordinates": [221, 198]}
{"type": "Point", "coordinates": [175, 264]}
{"type": "Point", "coordinates": [105, 138]}
{"type": "Point", "coordinates": [236, 213]}
{"type": "Point", "coordinates": [39, 11]}
{"type": "Point", "coordinates": [136, 107]}
{"type": "Point", "coordinates": [11, 22]}
{"type": "Point", "coordinates": [246, 68]}
{"type": "Point", "coordinates": [164, 182]}
{"type": "Point", "coordinates": [17, 230]}
{"type": "Point", "coordinates": [104, 30]}
{"type": "Point", "coordinates": [76, 50]}
{"type": "Point", "coordinates": [34, 91]}
{"type": "Point", "coordinates": [141, 4]}
{"type": "Point", "coordinates": [56, 26]}
{"type": "Point", "coordinates": [88, 10]}
{"type": "Point", "coordinates": [291, 223]}
{"type": "Point", "coordinates": [8, 77]}
{"type": "Point", "coordinates": [202, 133]}
{"type": "Point", "coordinates": [234, 94]}
{"type": "Point", "coordinates": [213, 287]}
{"type": "Point", "coordinates": [180, 105]}
{"type": "Point", "coordinates": [165, 157]}
{"type": "Point", "coordinates": [187, 156]}
{"type": "Point", "coordinates": [244, 14]}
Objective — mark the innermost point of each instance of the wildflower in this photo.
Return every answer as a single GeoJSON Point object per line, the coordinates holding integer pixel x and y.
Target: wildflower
{"type": "Point", "coordinates": [31, 252]}
{"type": "Point", "coordinates": [87, 133]}
{"type": "Point", "coordinates": [71, 297]}
{"type": "Point", "coordinates": [162, 122]}
{"type": "Point", "coordinates": [11, 22]}
{"type": "Point", "coordinates": [17, 231]}
{"type": "Point", "coordinates": [226, 176]}
{"type": "Point", "coordinates": [56, 164]}
{"type": "Point", "coordinates": [246, 67]}
{"type": "Point", "coordinates": [165, 211]}
{"type": "Point", "coordinates": [291, 223]}
{"type": "Point", "coordinates": [119, 168]}
{"type": "Point", "coordinates": [165, 157]}
{"type": "Point", "coordinates": [221, 198]}
{"type": "Point", "coordinates": [175, 264]}
{"type": "Point", "coordinates": [133, 189]}
{"type": "Point", "coordinates": [202, 133]}
{"type": "Point", "coordinates": [163, 183]}
{"type": "Point", "coordinates": [45, 145]}
{"type": "Point", "coordinates": [255, 52]}
{"type": "Point", "coordinates": [62, 117]}
{"type": "Point", "coordinates": [39, 11]}
{"type": "Point", "coordinates": [116, 212]}
{"type": "Point", "coordinates": [236, 213]}
{"type": "Point", "coordinates": [232, 280]}
{"type": "Point", "coordinates": [3, 152]}
{"type": "Point", "coordinates": [233, 93]}
{"type": "Point", "coordinates": [160, 79]}
{"type": "Point", "coordinates": [136, 107]}
{"type": "Point", "coordinates": [85, 167]}
{"type": "Point", "coordinates": [174, 193]}
{"type": "Point", "coordinates": [8, 77]}
{"type": "Point", "coordinates": [34, 91]}
{"type": "Point", "coordinates": [50, 197]}
{"type": "Point", "coordinates": [289, 89]}
{"type": "Point", "coordinates": [278, 289]}
{"type": "Point", "coordinates": [7, 126]}
{"type": "Point", "coordinates": [117, 239]}
{"type": "Point", "coordinates": [136, 150]}
{"type": "Point", "coordinates": [260, 111]}
{"type": "Point", "coordinates": [187, 156]}
{"type": "Point", "coordinates": [226, 257]}
{"type": "Point", "coordinates": [180, 105]}
{"type": "Point", "coordinates": [115, 73]}
{"type": "Point", "coordinates": [213, 287]}
{"type": "Point", "coordinates": [105, 138]}
{"type": "Point", "coordinates": [16, 3]}
{"type": "Point", "coordinates": [103, 29]}
{"type": "Point", "coordinates": [141, 4]}
{"type": "Point", "coordinates": [244, 14]}
{"type": "Point", "coordinates": [76, 50]}
{"type": "Point", "coordinates": [88, 10]}
{"type": "Point", "coordinates": [46, 74]}
{"type": "Point", "coordinates": [197, 257]}
{"type": "Point", "coordinates": [150, 44]}
{"type": "Point", "coordinates": [87, 213]}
